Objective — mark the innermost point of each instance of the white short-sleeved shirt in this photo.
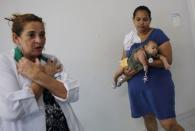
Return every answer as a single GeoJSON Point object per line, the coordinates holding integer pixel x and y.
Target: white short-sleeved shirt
{"type": "Point", "coordinates": [130, 39]}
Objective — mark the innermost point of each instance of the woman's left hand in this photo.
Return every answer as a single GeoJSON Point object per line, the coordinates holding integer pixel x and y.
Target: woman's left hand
{"type": "Point", "coordinates": [28, 68]}
{"type": "Point", "coordinates": [52, 67]}
{"type": "Point", "coordinates": [129, 72]}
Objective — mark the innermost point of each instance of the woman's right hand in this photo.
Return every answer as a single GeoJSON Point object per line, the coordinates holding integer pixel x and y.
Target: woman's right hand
{"type": "Point", "coordinates": [129, 72]}
{"type": "Point", "coordinates": [28, 68]}
{"type": "Point", "coordinates": [52, 67]}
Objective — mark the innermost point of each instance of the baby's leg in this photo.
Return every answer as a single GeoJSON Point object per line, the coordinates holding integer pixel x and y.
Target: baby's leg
{"type": "Point", "coordinates": [141, 57]}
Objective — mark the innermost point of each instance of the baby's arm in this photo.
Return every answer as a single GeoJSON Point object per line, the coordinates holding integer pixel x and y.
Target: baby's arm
{"type": "Point", "coordinates": [165, 62]}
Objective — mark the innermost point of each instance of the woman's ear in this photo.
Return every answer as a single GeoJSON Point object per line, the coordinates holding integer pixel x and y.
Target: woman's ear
{"type": "Point", "coordinates": [15, 38]}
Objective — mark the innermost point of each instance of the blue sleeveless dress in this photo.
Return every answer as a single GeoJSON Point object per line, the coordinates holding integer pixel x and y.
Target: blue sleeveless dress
{"type": "Point", "coordinates": [157, 95]}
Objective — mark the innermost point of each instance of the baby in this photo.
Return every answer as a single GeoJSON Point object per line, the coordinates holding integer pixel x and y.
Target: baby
{"type": "Point", "coordinates": [139, 62]}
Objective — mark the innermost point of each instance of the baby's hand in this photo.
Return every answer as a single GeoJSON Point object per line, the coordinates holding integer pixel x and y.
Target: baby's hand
{"type": "Point", "coordinates": [165, 62]}
{"type": "Point", "coordinates": [167, 66]}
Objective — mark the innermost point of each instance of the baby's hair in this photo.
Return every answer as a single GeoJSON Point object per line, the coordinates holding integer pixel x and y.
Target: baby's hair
{"type": "Point", "coordinates": [19, 21]}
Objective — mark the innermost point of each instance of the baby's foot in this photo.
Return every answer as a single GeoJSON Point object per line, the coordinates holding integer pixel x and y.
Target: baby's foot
{"type": "Point", "coordinates": [114, 86]}
{"type": "Point", "coordinates": [119, 84]}
{"type": "Point", "coordinates": [145, 68]}
{"type": "Point", "coordinates": [145, 79]}
{"type": "Point", "coordinates": [167, 66]}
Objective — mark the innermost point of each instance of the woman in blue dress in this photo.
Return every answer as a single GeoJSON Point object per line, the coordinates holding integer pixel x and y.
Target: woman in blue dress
{"type": "Point", "coordinates": [154, 99]}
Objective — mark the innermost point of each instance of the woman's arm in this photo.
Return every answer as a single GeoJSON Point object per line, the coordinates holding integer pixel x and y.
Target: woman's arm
{"type": "Point", "coordinates": [53, 85]}
{"type": "Point", "coordinates": [123, 54]}
{"type": "Point", "coordinates": [50, 68]}
{"type": "Point", "coordinates": [35, 72]}
{"type": "Point", "coordinates": [55, 69]}
{"type": "Point", "coordinates": [165, 49]}
{"type": "Point", "coordinates": [37, 89]}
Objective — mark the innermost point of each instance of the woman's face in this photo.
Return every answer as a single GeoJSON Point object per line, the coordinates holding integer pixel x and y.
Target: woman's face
{"type": "Point", "coordinates": [141, 21]}
{"type": "Point", "coordinates": [32, 39]}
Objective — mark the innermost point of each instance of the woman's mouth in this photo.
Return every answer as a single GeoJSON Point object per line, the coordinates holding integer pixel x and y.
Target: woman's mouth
{"type": "Point", "coordinates": [38, 48]}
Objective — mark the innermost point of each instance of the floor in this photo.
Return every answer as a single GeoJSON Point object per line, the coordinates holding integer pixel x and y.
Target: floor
{"type": "Point", "coordinates": [187, 121]}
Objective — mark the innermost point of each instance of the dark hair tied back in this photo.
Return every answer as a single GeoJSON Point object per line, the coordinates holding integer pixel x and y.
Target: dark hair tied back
{"type": "Point", "coordinates": [142, 8]}
{"type": "Point", "coordinates": [19, 21]}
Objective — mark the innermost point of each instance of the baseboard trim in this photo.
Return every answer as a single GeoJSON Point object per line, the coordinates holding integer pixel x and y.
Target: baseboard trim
{"type": "Point", "coordinates": [185, 115]}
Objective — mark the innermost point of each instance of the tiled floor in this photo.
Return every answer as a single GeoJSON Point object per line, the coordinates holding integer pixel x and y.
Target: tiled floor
{"type": "Point", "coordinates": [187, 120]}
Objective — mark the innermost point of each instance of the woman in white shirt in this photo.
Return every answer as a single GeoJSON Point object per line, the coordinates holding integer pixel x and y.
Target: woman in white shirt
{"type": "Point", "coordinates": [35, 90]}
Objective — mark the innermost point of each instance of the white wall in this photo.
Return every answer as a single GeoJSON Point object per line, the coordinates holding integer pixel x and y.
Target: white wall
{"type": "Point", "coordinates": [87, 35]}
{"type": "Point", "coordinates": [191, 8]}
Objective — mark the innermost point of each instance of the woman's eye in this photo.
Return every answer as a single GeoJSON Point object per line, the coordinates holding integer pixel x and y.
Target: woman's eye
{"type": "Point", "coordinates": [42, 35]}
{"type": "Point", "coordinates": [31, 35]}
{"type": "Point", "coordinates": [145, 19]}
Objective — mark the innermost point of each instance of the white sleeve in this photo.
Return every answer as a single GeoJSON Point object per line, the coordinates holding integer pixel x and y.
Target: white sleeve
{"type": "Point", "coordinates": [130, 39]}
{"type": "Point", "coordinates": [71, 85]}
{"type": "Point", "coordinates": [15, 101]}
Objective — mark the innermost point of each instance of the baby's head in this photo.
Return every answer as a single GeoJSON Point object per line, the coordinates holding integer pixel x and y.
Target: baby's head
{"type": "Point", "coordinates": [151, 48]}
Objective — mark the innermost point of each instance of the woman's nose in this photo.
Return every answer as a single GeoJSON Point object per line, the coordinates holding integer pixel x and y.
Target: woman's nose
{"type": "Point", "coordinates": [141, 22]}
{"type": "Point", "coordinates": [38, 39]}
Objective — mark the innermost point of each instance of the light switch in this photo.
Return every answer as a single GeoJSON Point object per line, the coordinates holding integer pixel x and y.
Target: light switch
{"type": "Point", "coordinates": [176, 19]}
